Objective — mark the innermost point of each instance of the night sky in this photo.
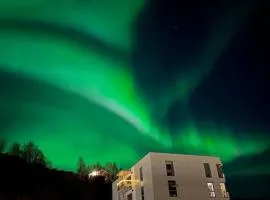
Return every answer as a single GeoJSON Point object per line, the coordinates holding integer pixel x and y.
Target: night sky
{"type": "Point", "coordinates": [113, 80]}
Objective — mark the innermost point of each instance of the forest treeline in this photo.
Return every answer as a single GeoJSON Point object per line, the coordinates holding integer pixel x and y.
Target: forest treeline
{"type": "Point", "coordinates": [28, 152]}
{"type": "Point", "coordinates": [26, 173]}
{"type": "Point", "coordinates": [31, 153]}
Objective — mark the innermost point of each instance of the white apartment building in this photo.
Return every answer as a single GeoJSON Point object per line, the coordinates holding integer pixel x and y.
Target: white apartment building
{"type": "Point", "coordinates": [162, 176]}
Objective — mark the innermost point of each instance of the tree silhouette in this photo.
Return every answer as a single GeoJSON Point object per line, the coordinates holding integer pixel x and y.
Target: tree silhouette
{"type": "Point", "coordinates": [32, 154]}
{"type": "Point", "coordinates": [15, 149]}
{"type": "Point", "coordinates": [113, 170]}
{"type": "Point", "coordinates": [2, 145]}
{"type": "Point", "coordinates": [48, 164]}
{"type": "Point", "coordinates": [28, 151]}
{"type": "Point", "coordinates": [96, 166]}
{"type": "Point", "coordinates": [82, 170]}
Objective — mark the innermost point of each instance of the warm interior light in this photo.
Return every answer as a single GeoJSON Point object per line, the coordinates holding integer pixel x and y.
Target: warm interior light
{"type": "Point", "coordinates": [127, 181]}
{"type": "Point", "coordinates": [94, 173]}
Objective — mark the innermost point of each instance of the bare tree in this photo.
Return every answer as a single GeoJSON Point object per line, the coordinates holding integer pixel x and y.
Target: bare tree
{"type": "Point", "coordinates": [48, 164]}
{"type": "Point", "coordinates": [112, 170]}
{"type": "Point", "coordinates": [32, 154]}
{"type": "Point", "coordinates": [15, 149]}
{"type": "Point", "coordinates": [82, 169]}
{"type": "Point", "coordinates": [96, 166]}
{"type": "Point", "coordinates": [109, 170]}
{"type": "Point", "coordinates": [28, 151]}
{"type": "Point", "coordinates": [2, 145]}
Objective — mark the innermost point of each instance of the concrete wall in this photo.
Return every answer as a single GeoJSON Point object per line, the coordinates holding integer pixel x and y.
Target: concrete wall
{"type": "Point", "coordinates": [189, 175]}
{"type": "Point", "coordinates": [114, 191]}
{"type": "Point", "coordinates": [147, 182]}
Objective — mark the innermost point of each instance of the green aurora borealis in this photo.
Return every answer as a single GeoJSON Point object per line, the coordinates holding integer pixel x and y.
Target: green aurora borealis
{"type": "Point", "coordinates": [79, 97]}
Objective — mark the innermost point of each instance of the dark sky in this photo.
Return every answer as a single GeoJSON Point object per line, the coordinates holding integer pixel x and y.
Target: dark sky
{"type": "Point", "coordinates": [200, 72]}
{"type": "Point", "coordinates": [235, 93]}
{"type": "Point", "coordinates": [236, 89]}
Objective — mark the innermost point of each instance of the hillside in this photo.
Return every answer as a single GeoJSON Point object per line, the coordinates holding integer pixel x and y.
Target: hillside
{"type": "Point", "coordinates": [21, 180]}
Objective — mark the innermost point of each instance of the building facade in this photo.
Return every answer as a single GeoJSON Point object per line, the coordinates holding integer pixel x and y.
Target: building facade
{"type": "Point", "coordinates": [162, 176]}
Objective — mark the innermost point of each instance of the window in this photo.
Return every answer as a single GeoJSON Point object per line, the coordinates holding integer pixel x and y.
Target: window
{"type": "Point", "coordinates": [220, 171]}
{"type": "Point", "coordinates": [169, 168]}
{"type": "Point", "coordinates": [142, 192]}
{"type": "Point", "coordinates": [129, 196]}
{"type": "Point", "coordinates": [211, 189]}
{"type": "Point", "coordinates": [223, 190]}
{"type": "Point", "coordinates": [207, 170]}
{"type": "Point", "coordinates": [172, 189]}
{"type": "Point", "coordinates": [141, 174]}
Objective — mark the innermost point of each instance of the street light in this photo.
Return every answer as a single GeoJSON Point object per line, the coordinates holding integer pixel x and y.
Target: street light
{"type": "Point", "coordinates": [94, 173]}
{"type": "Point", "coordinates": [100, 172]}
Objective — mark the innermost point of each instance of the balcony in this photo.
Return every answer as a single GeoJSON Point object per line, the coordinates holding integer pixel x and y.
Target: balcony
{"type": "Point", "coordinates": [125, 181]}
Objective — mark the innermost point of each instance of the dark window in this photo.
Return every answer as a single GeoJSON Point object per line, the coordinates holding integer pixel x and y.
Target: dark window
{"type": "Point", "coordinates": [220, 171]}
{"type": "Point", "coordinates": [169, 168]}
{"type": "Point", "coordinates": [141, 174]}
{"type": "Point", "coordinates": [129, 196]}
{"type": "Point", "coordinates": [172, 189]}
{"type": "Point", "coordinates": [142, 192]}
{"type": "Point", "coordinates": [207, 170]}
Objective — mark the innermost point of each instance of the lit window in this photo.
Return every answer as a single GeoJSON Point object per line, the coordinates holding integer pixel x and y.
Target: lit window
{"type": "Point", "coordinates": [211, 189]}
{"type": "Point", "coordinates": [223, 190]}
{"type": "Point", "coordinates": [172, 189]}
{"type": "Point", "coordinates": [220, 171]}
{"type": "Point", "coordinates": [169, 168]}
{"type": "Point", "coordinates": [207, 170]}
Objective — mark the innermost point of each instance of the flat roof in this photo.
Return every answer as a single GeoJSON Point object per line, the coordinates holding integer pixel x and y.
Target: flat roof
{"type": "Point", "coordinates": [178, 154]}
{"type": "Point", "coordinates": [173, 154]}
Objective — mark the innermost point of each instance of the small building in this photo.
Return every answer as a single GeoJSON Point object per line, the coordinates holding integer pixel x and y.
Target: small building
{"type": "Point", "coordinates": [163, 176]}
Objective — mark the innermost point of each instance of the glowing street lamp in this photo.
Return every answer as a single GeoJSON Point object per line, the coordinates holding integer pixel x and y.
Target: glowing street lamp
{"type": "Point", "coordinates": [100, 172]}
{"type": "Point", "coordinates": [94, 173]}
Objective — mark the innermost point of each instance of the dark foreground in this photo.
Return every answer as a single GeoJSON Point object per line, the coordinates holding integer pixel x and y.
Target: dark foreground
{"type": "Point", "coordinates": [23, 181]}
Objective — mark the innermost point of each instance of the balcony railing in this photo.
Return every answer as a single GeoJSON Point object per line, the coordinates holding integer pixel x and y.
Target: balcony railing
{"type": "Point", "coordinates": [125, 180]}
